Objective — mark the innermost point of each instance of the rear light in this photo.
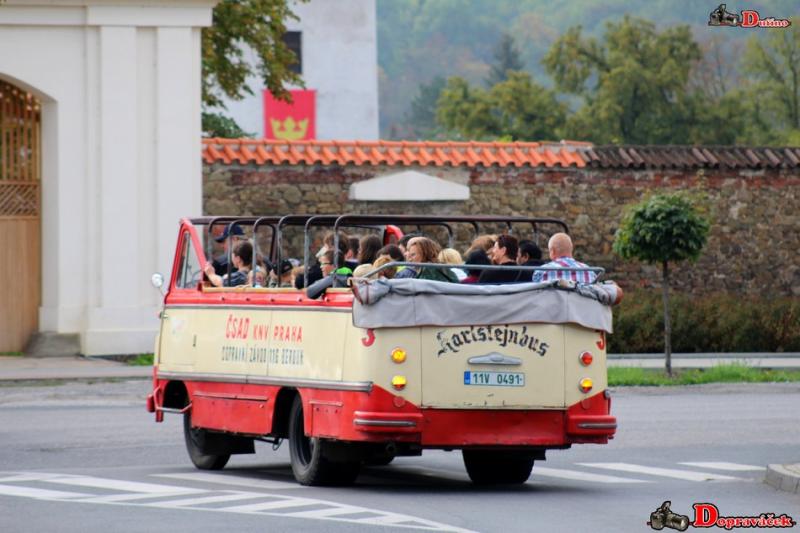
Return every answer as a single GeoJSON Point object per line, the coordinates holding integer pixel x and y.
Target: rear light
{"type": "Point", "coordinates": [399, 382]}
{"type": "Point", "coordinates": [586, 358]}
{"type": "Point", "coordinates": [585, 385]}
{"type": "Point", "coordinates": [399, 355]}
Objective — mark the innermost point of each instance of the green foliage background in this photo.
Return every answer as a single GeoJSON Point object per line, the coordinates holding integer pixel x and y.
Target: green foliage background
{"type": "Point", "coordinates": [738, 104]}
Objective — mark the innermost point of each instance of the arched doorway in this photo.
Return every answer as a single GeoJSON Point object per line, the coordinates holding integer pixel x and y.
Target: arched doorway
{"type": "Point", "coordinates": [20, 216]}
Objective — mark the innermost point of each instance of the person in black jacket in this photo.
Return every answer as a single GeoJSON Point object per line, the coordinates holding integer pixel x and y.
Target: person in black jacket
{"type": "Point", "coordinates": [504, 253]}
{"type": "Point", "coordinates": [529, 255]}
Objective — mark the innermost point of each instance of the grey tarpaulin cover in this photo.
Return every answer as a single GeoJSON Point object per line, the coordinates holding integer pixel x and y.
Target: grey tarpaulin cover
{"type": "Point", "coordinates": [387, 303]}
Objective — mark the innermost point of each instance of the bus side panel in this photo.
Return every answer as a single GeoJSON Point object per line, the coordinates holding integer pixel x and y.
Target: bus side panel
{"type": "Point", "coordinates": [236, 408]}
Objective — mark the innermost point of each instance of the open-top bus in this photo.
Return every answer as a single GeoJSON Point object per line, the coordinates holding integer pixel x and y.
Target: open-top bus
{"type": "Point", "coordinates": [362, 373]}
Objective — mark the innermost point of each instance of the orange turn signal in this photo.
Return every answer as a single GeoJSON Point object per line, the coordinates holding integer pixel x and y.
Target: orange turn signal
{"type": "Point", "coordinates": [586, 358]}
{"type": "Point", "coordinates": [585, 385]}
{"type": "Point", "coordinates": [399, 382]}
{"type": "Point", "coordinates": [399, 355]}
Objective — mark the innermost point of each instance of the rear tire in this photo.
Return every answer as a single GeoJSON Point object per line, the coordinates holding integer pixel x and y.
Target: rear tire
{"type": "Point", "coordinates": [309, 464]}
{"type": "Point", "coordinates": [196, 443]}
{"type": "Point", "coordinates": [489, 467]}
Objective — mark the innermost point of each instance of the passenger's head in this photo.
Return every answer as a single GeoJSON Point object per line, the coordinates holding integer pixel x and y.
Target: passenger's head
{"type": "Point", "coordinates": [559, 245]}
{"type": "Point", "coordinates": [393, 251]}
{"type": "Point", "coordinates": [477, 257]}
{"type": "Point", "coordinates": [352, 248]}
{"type": "Point", "coordinates": [368, 248]}
{"type": "Point", "coordinates": [386, 272]}
{"type": "Point", "coordinates": [505, 249]}
{"type": "Point", "coordinates": [484, 242]}
{"type": "Point", "coordinates": [450, 256]}
{"type": "Point", "coordinates": [403, 242]}
{"type": "Point", "coordinates": [422, 250]}
{"type": "Point", "coordinates": [528, 251]}
{"type": "Point", "coordinates": [243, 254]}
{"type": "Point", "coordinates": [327, 264]}
{"type": "Point", "coordinates": [362, 270]}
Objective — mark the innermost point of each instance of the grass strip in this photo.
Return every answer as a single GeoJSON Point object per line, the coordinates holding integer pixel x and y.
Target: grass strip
{"type": "Point", "coordinates": [145, 359]}
{"type": "Point", "coordinates": [728, 373]}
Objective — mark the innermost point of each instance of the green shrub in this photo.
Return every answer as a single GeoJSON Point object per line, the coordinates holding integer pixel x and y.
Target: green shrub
{"type": "Point", "coordinates": [714, 323]}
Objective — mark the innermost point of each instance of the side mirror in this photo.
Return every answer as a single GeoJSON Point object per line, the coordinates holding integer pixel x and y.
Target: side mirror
{"type": "Point", "coordinates": [158, 282]}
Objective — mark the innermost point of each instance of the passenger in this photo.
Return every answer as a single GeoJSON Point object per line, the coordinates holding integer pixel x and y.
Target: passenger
{"type": "Point", "coordinates": [475, 257]}
{"type": "Point", "coordinates": [503, 253]}
{"type": "Point", "coordinates": [281, 277]}
{"type": "Point", "coordinates": [482, 242]}
{"type": "Point", "coordinates": [530, 255]}
{"type": "Point", "coordinates": [351, 254]}
{"type": "Point", "coordinates": [424, 250]}
{"type": "Point", "coordinates": [326, 263]}
{"type": "Point", "coordinates": [451, 256]}
{"type": "Point", "coordinates": [388, 273]}
{"type": "Point", "coordinates": [362, 270]}
{"type": "Point", "coordinates": [560, 249]}
{"type": "Point", "coordinates": [393, 251]}
{"type": "Point", "coordinates": [221, 261]}
{"type": "Point", "coordinates": [402, 244]}
{"type": "Point", "coordinates": [241, 258]}
{"type": "Point", "coordinates": [368, 248]}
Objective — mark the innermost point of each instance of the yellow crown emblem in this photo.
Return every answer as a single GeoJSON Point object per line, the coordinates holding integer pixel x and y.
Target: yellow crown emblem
{"type": "Point", "coordinates": [289, 130]}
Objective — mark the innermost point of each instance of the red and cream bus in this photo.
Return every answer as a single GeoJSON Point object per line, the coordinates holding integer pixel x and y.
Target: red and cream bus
{"type": "Point", "coordinates": [380, 368]}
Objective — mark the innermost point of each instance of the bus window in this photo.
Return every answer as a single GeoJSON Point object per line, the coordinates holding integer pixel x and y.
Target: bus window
{"type": "Point", "coordinates": [190, 271]}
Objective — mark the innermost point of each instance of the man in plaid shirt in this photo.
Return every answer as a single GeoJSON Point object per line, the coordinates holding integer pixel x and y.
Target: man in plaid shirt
{"type": "Point", "coordinates": [560, 248]}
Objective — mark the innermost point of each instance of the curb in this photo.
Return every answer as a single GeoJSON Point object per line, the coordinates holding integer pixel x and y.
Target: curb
{"type": "Point", "coordinates": [784, 477]}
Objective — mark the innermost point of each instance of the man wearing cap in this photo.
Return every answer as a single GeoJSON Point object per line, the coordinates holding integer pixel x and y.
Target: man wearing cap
{"type": "Point", "coordinates": [220, 262]}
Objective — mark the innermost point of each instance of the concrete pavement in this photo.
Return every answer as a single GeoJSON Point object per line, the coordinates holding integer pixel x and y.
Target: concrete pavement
{"type": "Point", "coordinates": [21, 368]}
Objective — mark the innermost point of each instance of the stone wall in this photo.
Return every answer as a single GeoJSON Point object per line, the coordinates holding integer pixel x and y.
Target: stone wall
{"type": "Point", "coordinates": [754, 245]}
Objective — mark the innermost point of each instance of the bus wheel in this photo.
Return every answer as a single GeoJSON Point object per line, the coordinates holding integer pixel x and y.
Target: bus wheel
{"type": "Point", "coordinates": [309, 464]}
{"type": "Point", "coordinates": [489, 467]}
{"type": "Point", "coordinates": [196, 446]}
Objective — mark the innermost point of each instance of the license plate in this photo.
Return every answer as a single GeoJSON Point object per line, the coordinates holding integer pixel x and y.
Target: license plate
{"type": "Point", "coordinates": [494, 379]}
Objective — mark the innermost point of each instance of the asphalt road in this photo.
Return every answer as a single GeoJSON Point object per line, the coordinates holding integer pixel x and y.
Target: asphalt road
{"type": "Point", "coordinates": [87, 457]}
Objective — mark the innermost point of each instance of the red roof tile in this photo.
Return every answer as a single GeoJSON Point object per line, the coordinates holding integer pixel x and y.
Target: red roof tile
{"type": "Point", "coordinates": [563, 154]}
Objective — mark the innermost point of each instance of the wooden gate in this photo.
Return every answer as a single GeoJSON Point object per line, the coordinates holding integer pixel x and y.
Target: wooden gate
{"type": "Point", "coordinates": [20, 219]}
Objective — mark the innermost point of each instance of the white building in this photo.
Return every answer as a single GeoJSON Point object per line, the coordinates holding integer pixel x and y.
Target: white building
{"type": "Point", "coordinates": [339, 60]}
{"type": "Point", "coordinates": [111, 148]}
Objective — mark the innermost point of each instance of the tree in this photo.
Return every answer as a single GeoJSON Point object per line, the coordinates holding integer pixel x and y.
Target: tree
{"type": "Point", "coordinates": [239, 26]}
{"type": "Point", "coordinates": [506, 58]}
{"type": "Point", "coordinates": [663, 229]}
{"type": "Point", "coordinates": [423, 108]}
{"type": "Point", "coordinates": [634, 83]}
{"type": "Point", "coordinates": [517, 109]}
{"type": "Point", "coordinates": [218, 125]}
{"type": "Point", "coordinates": [774, 66]}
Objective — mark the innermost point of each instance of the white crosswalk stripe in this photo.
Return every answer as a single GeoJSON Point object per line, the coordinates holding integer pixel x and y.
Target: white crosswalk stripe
{"type": "Point", "coordinates": [135, 493]}
{"type": "Point", "coordinates": [581, 476]}
{"type": "Point", "coordinates": [233, 480]}
{"type": "Point", "coordinates": [730, 467]}
{"type": "Point", "coordinates": [664, 472]}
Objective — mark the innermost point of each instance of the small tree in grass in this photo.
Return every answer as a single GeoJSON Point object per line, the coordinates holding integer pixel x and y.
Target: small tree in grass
{"type": "Point", "coordinates": [662, 229]}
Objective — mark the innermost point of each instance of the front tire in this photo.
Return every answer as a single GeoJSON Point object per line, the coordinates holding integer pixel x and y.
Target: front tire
{"type": "Point", "coordinates": [490, 467]}
{"type": "Point", "coordinates": [196, 443]}
{"type": "Point", "coordinates": [309, 464]}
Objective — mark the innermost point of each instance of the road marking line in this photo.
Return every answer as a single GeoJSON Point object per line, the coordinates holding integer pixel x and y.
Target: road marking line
{"type": "Point", "coordinates": [123, 498]}
{"type": "Point", "coordinates": [277, 504]}
{"type": "Point", "coordinates": [233, 496]}
{"type": "Point", "coordinates": [332, 511]}
{"type": "Point", "coordinates": [406, 521]}
{"type": "Point", "coordinates": [732, 467]}
{"type": "Point", "coordinates": [23, 476]}
{"type": "Point", "coordinates": [664, 472]}
{"type": "Point", "coordinates": [39, 494]}
{"type": "Point", "coordinates": [227, 479]}
{"type": "Point", "coordinates": [123, 486]}
{"type": "Point", "coordinates": [582, 476]}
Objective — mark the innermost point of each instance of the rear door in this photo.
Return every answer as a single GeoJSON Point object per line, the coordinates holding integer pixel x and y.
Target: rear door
{"type": "Point", "coordinates": [516, 366]}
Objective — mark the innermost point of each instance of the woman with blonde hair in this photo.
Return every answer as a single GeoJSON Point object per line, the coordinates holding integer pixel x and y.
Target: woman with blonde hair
{"type": "Point", "coordinates": [451, 256]}
{"type": "Point", "coordinates": [482, 242]}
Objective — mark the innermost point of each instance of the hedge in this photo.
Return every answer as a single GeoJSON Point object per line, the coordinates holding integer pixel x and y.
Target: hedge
{"type": "Point", "coordinates": [717, 323]}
